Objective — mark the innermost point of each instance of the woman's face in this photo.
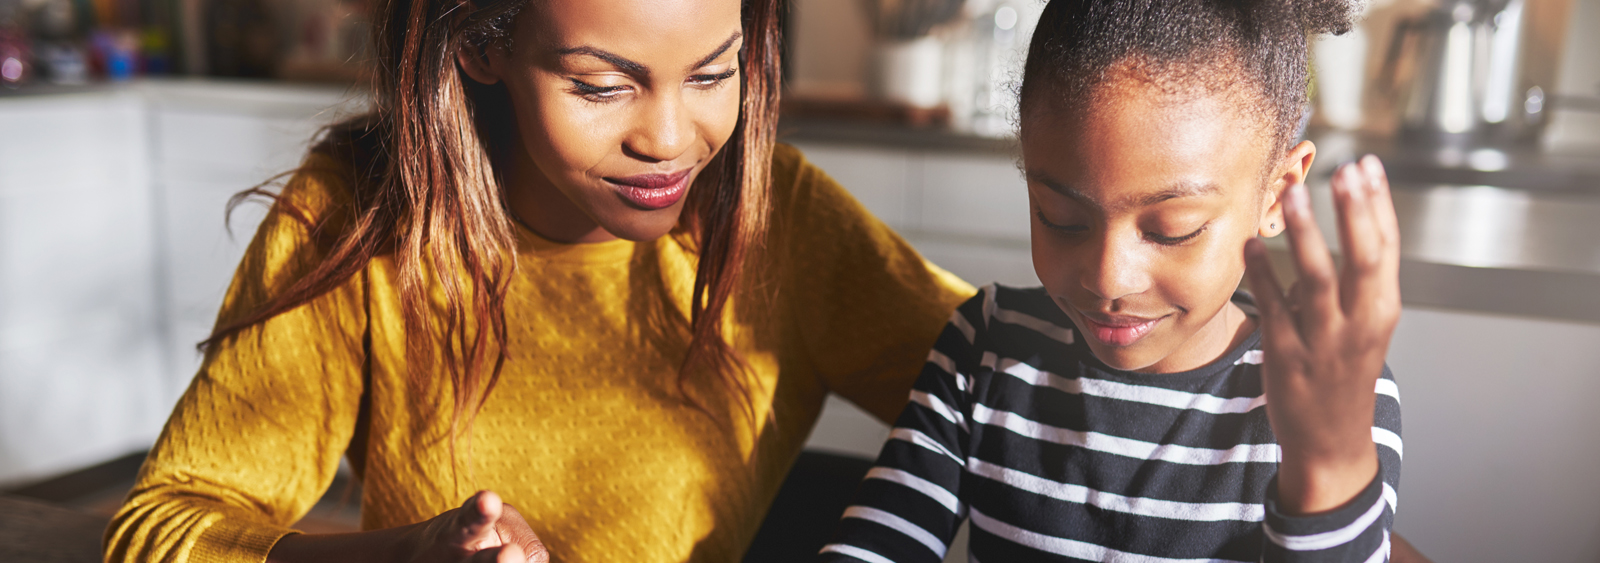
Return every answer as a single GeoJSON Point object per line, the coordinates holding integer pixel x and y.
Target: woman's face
{"type": "Point", "coordinates": [1141, 208]}
{"type": "Point", "coordinates": [620, 105]}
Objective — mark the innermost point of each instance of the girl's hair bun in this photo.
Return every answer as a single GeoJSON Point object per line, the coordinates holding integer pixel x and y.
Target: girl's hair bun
{"type": "Point", "coordinates": [1334, 17]}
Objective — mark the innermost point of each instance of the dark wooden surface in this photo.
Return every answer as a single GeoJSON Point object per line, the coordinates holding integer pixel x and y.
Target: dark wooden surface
{"type": "Point", "coordinates": [34, 532]}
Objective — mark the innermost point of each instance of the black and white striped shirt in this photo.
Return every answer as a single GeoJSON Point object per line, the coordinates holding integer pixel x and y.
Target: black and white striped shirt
{"type": "Point", "coordinates": [1055, 456]}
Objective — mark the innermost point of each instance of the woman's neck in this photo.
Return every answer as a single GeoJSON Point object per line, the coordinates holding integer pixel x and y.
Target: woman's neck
{"type": "Point", "coordinates": [539, 205]}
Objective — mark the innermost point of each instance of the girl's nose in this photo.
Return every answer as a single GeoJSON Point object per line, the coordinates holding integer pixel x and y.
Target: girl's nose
{"type": "Point", "coordinates": [664, 129]}
{"type": "Point", "coordinates": [1116, 267]}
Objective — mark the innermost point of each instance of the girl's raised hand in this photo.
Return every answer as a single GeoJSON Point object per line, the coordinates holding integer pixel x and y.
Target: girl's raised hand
{"type": "Point", "coordinates": [1324, 343]}
{"type": "Point", "coordinates": [482, 530]}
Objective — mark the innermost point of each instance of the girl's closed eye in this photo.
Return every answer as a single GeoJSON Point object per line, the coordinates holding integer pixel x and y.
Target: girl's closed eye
{"type": "Point", "coordinates": [1167, 240]}
{"type": "Point", "coordinates": [1068, 227]}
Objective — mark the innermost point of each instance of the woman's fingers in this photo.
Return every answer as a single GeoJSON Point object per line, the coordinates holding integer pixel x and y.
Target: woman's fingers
{"type": "Point", "coordinates": [1360, 238]}
{"type": "Point", "coordinates": [514, 530]}
{"type": "Point", "coordinates": [1320, 299]}
{"type": "Point", "coordinates": [475, 522]}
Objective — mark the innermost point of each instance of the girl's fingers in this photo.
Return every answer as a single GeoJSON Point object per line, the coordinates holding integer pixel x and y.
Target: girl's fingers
{"type": "Point", "coordinates": [1359, 237]}
{"type": "Point", "coordinates": [1383, 209]}
{"type": "Point", "coordinates": [1320, 300]}
{"type": "Point", "coordinates": [1278, 325]}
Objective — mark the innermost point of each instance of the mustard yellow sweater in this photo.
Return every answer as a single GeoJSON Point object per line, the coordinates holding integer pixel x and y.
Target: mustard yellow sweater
{"type": "Point", "coordinates": [586, 432]}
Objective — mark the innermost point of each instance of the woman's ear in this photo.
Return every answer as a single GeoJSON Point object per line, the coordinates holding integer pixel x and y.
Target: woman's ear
{"type": "Point", "coordinates": [476, 61]}
{"type": "Point", "coordinates": [1293, 169]}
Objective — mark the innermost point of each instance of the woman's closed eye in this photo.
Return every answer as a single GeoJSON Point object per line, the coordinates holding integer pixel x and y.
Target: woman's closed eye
{"type": "Point", "coordinates": [709, 81]}
{"type": "Point", "coordinates": [595, 93]}
{"type": "Point", "coordinates": [603, 94]}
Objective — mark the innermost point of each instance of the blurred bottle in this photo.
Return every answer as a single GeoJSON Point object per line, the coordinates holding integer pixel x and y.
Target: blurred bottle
{"type": "Point", "coordinates": [14, 50]}
{"type": "Point", "coordinates": [979, 88]}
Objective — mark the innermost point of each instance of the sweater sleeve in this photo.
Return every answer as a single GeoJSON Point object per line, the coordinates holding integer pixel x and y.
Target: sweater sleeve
{"type": "Point", "coordinates": [865, 304]}
{"type": "Point", "coordinates": [909, 506]}
{"type": "Point", "coordinates": [257, 437]}
{"type": "Point", "coordinates": [1358, 531]}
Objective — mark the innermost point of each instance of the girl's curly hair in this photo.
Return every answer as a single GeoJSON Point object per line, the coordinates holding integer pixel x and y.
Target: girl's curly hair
{"type": "Point", "coordinates": [1260, 45]}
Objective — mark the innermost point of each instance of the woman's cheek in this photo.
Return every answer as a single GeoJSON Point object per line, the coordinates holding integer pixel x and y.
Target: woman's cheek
{"type": "Point", "coordinates": [581, 133]}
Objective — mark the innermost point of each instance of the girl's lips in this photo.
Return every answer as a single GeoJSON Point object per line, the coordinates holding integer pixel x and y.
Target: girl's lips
{"type": "Point", "coordinates": [653, 191]}
{"type": "Point", "coordinates": [1123, 331]}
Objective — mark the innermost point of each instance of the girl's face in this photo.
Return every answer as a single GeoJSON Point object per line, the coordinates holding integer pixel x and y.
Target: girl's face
{"type": "Point", "coordinates": [1141, 207]}
{"type": "Point", "coordinates": [620, 104]}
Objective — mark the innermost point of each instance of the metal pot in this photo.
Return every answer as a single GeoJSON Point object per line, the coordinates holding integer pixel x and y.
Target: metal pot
{"type": "Point", "coordinates": [1464, 73]}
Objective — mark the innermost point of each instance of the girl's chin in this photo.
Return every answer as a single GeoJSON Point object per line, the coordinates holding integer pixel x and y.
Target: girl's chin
{"type": "Point", "coordinates": [1137, 357]}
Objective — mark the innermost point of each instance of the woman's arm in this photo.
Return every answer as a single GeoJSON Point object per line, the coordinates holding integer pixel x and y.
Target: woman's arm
{"type": "Point", "coordinates": [909, 506]}
{"type": "Point", "coordinates": [866, 305]}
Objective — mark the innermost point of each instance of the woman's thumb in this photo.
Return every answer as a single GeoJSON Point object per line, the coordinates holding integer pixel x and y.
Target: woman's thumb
{"type": "Point", "coordinates": [475, 521]}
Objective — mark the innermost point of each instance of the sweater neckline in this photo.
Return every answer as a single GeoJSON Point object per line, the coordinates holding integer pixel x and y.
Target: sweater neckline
{"type": "Point", "coordinates": [533, 245]}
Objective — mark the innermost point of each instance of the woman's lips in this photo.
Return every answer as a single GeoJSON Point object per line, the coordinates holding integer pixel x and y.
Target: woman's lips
{"type": "Point", "coordinates": [1120, 330]}
{"type": "Point", "coordinates": [653, 191]}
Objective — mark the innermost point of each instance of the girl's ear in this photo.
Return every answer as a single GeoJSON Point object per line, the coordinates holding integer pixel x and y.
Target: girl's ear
{"type": "Point", "coordinates": [1293, 169]}
{"type": "Point", "coordinates": [476, 61]}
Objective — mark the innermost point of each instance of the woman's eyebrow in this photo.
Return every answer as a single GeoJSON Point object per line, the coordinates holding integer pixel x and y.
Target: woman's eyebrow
{"type": "Point", "coordinates": [718, 52]}
{"type": "Point", "coordinates": [635, 68]}
{"type": "Point", "coordinates": [616, 60]}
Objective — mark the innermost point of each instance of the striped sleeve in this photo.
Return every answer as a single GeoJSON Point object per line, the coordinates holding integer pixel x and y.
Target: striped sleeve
{"type": "Point", "coordinates": [909, 506]}
{"type": "Point", "coordinates": [1359, 531]}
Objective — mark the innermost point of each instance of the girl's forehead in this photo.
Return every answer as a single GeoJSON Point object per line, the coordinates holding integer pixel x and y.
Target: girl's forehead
{"type": "Point", "coordinates": [1135, 142]}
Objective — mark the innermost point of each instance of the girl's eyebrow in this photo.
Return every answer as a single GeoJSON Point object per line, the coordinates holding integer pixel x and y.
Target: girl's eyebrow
{"type": "Point", "coordinates": [1063, 189]}
{"type": "Point", "coordinates": [1181, 188]}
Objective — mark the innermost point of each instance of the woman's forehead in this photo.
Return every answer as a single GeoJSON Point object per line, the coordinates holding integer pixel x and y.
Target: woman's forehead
{"type": "Point", "coordinates": [668, 33]}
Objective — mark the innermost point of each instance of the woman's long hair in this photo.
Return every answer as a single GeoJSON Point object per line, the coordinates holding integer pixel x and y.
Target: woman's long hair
{"type": "Point", "coordinates": [426, 193]}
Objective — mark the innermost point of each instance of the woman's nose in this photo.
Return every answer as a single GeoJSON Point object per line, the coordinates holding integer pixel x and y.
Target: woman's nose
{"type": "Point", "coordinates": [1116, 267]}
{"type": "Point", "coordinates": [664, 129]}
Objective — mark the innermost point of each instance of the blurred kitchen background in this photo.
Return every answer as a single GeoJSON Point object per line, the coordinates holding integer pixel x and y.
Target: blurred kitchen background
{"type": "Point", "coordinates": [125, 125]}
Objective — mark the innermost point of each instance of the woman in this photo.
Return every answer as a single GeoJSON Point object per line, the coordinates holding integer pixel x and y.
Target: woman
{"type": "Point", "coordinates": [561, 261]}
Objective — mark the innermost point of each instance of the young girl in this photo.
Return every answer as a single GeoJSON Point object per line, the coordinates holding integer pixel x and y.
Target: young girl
{"type": "Point", "coordinates": [560, 260]}
{"type": "Point", "coordinates": [1137, 408]}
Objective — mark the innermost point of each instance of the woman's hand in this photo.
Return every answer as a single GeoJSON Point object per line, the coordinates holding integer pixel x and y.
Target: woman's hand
{"type": "Point", "coordinates": [481, 530]}
{"type": "Point", "coordinates": [1325, 342]}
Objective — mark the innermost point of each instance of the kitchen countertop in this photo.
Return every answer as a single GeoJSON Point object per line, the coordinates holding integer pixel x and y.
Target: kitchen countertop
{"type": "Point", "coordinates": [1513, 233]}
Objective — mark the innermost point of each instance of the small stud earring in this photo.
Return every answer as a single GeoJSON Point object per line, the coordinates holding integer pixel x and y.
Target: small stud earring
{"type": "Point", "coordinates": [1272, 226]}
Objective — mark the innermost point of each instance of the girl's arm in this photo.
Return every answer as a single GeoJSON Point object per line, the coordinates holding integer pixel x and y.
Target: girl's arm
{"type": "Point", "coordinates": [909, 506]}
{"type": "Point", "coordinates": [1324, 347]}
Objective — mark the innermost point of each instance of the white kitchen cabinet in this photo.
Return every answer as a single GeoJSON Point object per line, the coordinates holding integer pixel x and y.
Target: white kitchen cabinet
{"type": "Point", "coordinates": [113, 252]}
{"type": "Point", "coordinates": [81, 361]}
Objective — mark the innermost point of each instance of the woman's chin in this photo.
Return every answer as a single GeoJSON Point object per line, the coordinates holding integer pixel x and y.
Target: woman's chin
{"type": "Point", "coordinates": [642, 226]}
